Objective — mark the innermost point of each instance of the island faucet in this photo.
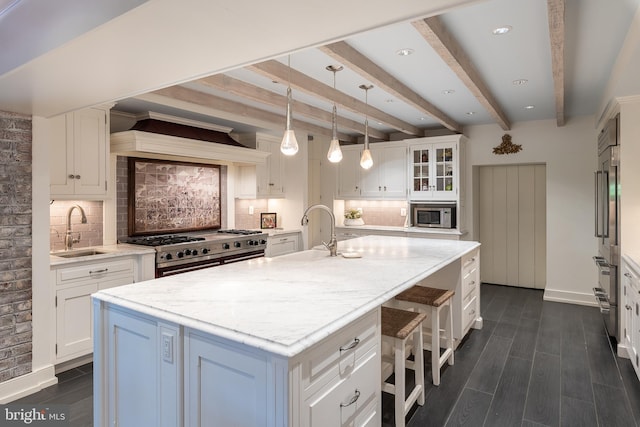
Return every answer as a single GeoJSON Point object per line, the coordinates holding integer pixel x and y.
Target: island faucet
{"type": "Point", "coordinates": [333, 243]}
{"type": "Point", "coordinates": [68, 239]}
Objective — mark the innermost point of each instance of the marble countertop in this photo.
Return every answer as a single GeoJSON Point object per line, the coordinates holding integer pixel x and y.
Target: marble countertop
{"type": "Point", "coordinates": [286, 304]}
{"type": "Point", "coordinates": [110, 251]}
{"type": "Point", "coordinates": [419, 230]}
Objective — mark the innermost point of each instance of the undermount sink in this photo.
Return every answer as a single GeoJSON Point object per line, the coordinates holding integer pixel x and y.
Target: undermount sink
{"type": "Point", "coordinates": [77, 253]}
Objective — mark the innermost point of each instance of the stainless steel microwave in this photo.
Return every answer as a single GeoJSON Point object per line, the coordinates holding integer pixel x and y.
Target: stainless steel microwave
{"type": "Point", "coordinates": [434, 216]}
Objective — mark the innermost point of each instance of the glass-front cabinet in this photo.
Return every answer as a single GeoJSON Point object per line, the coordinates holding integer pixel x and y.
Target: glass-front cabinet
{"type": "Point", "coordinates": [434, 173]}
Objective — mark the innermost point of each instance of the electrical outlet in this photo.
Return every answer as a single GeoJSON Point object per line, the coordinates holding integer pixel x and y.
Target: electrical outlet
{"type": "Point", "coordinates": [250, 210]}
{"type": "Point", "coordinates": [403, 211]}
{"type": "Point", "coordinates": [167, 348]}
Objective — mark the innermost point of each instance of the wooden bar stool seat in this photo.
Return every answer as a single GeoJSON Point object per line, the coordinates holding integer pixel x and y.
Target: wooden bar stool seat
{"type": "Point", "coordinates": [433, 301]}
{"type": "Point", "coordinates": [398, 326]}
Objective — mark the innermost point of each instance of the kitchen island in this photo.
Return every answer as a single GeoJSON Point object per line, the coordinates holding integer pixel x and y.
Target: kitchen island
{"type": "Point", "coordinates": [287, 341]}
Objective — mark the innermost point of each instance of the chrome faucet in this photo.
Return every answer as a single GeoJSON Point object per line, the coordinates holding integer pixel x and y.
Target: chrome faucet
{"type": "Point", "coordinates": [332, 246]}
{"type": "Point", "coordinates": [68, 239]}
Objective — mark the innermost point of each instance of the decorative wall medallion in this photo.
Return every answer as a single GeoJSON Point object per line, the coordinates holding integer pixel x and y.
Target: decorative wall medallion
{"type": "Point", "coordinates": [507, 147]}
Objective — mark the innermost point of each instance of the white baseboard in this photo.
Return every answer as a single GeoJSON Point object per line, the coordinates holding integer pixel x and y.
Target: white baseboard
{"type": "Point", "coordinates": [570, 297]}
{"type": "Point", "coordinates": [622, 350]}
{"type": "Point", "coordinates": [27, 384]}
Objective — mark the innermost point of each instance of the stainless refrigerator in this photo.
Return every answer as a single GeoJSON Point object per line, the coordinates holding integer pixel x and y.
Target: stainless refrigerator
{"type": "Point", "coordinates": [607, 226]}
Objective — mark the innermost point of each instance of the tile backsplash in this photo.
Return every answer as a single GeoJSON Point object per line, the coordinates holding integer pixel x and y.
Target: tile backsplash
{"type": "Point", "coordinates": [376, 212]}
{"type": "Point", "coordinates": [90, 234]}
{"type": "Point", "coordinates": [246, 220]}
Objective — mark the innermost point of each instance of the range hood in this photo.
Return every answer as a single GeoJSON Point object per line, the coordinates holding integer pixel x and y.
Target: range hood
{"type": "Point", "coordinates": [157, 139]}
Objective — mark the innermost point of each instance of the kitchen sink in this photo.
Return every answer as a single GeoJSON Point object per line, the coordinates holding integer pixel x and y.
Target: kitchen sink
{"type": "Point", "coordinates": [77, 253]}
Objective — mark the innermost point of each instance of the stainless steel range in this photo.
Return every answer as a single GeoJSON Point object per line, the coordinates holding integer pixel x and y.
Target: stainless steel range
{"type": "Point", "coordinates": [179, 253]}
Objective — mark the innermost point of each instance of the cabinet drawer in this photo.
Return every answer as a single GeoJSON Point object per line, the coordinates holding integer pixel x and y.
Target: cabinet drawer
{"type": "Point", "coordinates": [346, 401]}
{"type": "Point", "coordinates": [469, 313]}
{"type": "Point", "coordinates": [339, 354]}
{"type": "Point", "coordinates": [94, 271]}
{"type": "Point", "coordinates": [470, 262]}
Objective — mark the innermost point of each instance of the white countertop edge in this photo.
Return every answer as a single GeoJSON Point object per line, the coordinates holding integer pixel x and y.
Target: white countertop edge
{"type": "Point", "coordinates": [270, 346]}
{"type": "Point", "coordinates": [418, 230]}
{"type": "Point", "coordinates": [111, 251]}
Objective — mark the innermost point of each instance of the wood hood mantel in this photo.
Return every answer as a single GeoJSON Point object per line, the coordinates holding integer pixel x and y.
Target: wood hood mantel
{"type": "Point", "coordinates": [149, 145]}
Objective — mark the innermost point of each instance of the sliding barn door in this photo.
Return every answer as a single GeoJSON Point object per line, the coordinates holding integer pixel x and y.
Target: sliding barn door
{"type": "Point", "coordinates": [512, 203]}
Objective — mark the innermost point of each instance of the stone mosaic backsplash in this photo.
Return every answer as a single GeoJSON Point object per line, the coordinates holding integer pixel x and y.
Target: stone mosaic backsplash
{"type": "Point", "coordinates": [171, 196]}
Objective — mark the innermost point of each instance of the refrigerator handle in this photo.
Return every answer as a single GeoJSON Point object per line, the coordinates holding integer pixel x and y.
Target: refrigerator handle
{"type": "Point", "coordinates": [597, 175]}
{"type": "Point", "coordinates": [605, 204]}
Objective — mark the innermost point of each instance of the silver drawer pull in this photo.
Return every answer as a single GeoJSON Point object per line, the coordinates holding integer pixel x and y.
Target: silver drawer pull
{"type": "Point", "coordinates": [104, 270]}
{"type": "Point", "coordinates": [353, 400]}
{"type": "Point", "coordinates": [355, 342]}
{"type": "Point", "coordinates": [627, 275]}
{"type": "Point", "coordinates": [473, 282]}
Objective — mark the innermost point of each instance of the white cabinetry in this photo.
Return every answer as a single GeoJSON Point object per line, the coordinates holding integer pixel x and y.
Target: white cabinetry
{"type": "Point", "coordinates": [264, 180]}
{"type": "Point", "coordinates": [79, 154]}
{"type": "Point", "coordinates": [336, 382]}
{"type": "Point", "coordinates": [283, 243]}
{"type": "Point", "coordinates": [72, 300]}
{"type": "Point", "coordinates": [385, 180]}
{"type": "Point", "coordinates": [631, 312]}
{"type": "Point", "coordinates": [435, 166]}
{"type": "Point", "coordinates": [348, 179]}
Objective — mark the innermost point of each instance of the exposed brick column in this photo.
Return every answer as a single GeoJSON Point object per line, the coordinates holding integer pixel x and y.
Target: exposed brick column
{"type": "Point", "coordinates": [15, 245]}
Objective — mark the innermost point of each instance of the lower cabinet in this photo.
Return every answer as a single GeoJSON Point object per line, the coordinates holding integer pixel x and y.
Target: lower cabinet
{"type": "Point", "coordinates": [631, 311]}
{"type": "Point", "coordinates": [152, 372]}
{"type": "Point", "coordinates": [74, 285]}
{"type": "Point", "coordinates": [283, 243]}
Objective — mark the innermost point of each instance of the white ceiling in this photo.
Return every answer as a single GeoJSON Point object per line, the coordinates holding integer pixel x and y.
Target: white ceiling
{"type": "Point", "coordinates": [595, 31]}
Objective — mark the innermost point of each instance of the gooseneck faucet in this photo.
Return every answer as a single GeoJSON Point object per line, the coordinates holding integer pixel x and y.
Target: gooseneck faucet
{"type": "Point", "coordinates": [333, 243]}
{"type": "Point", "coordinates": [68, 239]}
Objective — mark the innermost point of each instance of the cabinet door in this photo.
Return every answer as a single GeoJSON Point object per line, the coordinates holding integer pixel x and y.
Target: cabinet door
{"type": "Point", "coordinates": [634, 333]}
{"type": "Point", "coordinates": [443, 171]}
{"type": "Point", "coordinates": [393, 166]}
{"type": "Point", "coordinates": [420, 183]}
{"type": "Point", "coordinates": [74, 321]}
{"type": "Point", "coordinates": [90, 151]}
{"type": "Point", "coordinates": [349, 173]}
{"type": "Point", "coordinates": [270, 175]}
{"type": "Point", "coordinates": [282, 245]}
{"type": "Point", "coordinates": [61, 172]}
{"type": "Point", "coordinates": [218, 379]}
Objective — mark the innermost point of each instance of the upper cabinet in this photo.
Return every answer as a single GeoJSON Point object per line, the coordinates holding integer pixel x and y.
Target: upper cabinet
{"type": "Point", "coordinates": [79, 154]}
{"type": "Point", "coordinates": [265, 180]}
{"type": "Point", "coordinates": [385, 180]}
{"type": "Point", "coordinates": [435, 168]}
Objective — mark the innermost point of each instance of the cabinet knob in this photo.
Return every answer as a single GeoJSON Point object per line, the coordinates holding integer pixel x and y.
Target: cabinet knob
{"type": "Point", "coordinates": [385, 188]}
{"type": "Point", "coordinates": [271, 184]}
{"type": "Point", "coordinates": [379, 188]}
{"type": "Point", "coordinates": [77, 176]}
{"type": "Point", "coordinates": [71, 176]}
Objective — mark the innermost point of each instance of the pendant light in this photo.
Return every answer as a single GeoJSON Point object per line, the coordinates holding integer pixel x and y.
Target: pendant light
{"type": "Point", "coordinates": [289, 145]}
{"type": "Point", "coordinates": [365, 160]}
{"type": "Point", "coordinates": [335, 153]}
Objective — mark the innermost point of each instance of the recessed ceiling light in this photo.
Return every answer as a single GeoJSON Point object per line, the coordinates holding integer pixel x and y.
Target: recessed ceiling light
{"type": "Point", "coordinates": [448, 91]}
{"type": "Point", "coordinates": [529, 107]}
{"type": "Point", "coordinates": [422, 119]}
{"type": "Point", "coordinates": [405, 51]}
{"type": "Point", "coordinates": [470, 113]}
{"type": "Point", "coordinates": [502, 30]}
{"type": "Point", "coordinates": [519, 82]}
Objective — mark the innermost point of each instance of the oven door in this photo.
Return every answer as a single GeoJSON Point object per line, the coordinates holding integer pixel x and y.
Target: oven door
{"type": "Point", "coordinates": [170, 270]}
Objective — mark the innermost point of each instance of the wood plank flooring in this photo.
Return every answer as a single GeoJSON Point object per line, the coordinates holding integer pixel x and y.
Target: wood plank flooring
{"type": "Point", "coordinates": [535, 363]}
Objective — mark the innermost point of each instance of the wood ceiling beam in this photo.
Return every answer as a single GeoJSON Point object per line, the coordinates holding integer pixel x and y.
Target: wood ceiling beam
{"type": "Point", "coordinates": [258, 94]}
{"type": "Point", "coordinates": [278, 71]}
{"type": "Point", "coordinates": [441, 40]}
{"type": "Point", "coordinates": [203, 103]}
{"type": "Point", "coordinates": [555, 10]}
{"type": "Point", "coordinates": [356, 61]}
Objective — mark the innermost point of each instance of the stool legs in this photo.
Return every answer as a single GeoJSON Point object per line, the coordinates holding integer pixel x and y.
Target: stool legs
{"type": "Point", "coordinates": [437, 360]}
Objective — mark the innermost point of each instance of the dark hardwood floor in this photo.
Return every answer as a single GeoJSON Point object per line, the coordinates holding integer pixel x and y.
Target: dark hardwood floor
{"type": "Point", "coordinates": [534, 363]}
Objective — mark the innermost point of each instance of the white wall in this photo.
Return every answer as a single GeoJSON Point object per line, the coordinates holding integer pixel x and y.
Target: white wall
{"type": "Point", "coordinates": [570, 155]}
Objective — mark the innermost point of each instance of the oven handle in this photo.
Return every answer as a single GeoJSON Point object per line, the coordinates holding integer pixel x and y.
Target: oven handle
{"type": "Point", "coordinates": [603, 302]}
{"type": "Point", "coordinates": [174, 270]}
{"type": "Point", "coordinates": [251, 255]}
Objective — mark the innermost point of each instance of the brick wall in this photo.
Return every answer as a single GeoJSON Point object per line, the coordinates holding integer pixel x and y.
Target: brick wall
{"type": "Point", "coordinates": [15, 245]}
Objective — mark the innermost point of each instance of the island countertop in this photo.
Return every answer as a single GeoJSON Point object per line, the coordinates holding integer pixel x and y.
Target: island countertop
{"type": "Point", "coordinates": [286, 304]}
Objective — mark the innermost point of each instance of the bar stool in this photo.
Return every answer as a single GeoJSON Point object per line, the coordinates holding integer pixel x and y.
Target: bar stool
{"type": "Point", "coordinates": [397, 328]}
{"type": "Point", "coordinates": [433, 301]}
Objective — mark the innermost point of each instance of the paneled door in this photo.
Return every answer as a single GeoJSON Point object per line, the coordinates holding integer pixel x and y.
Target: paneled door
{"type": "Point", "coordinates": [513, 225]}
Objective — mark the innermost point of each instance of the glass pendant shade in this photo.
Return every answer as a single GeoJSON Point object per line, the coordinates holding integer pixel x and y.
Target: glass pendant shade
{"type": "Point", "coordinates": [366, 161]}
{"type": "Point", "coordinates": [335, 153]}
{"type": "Point", "coordinates": [289, 145]}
